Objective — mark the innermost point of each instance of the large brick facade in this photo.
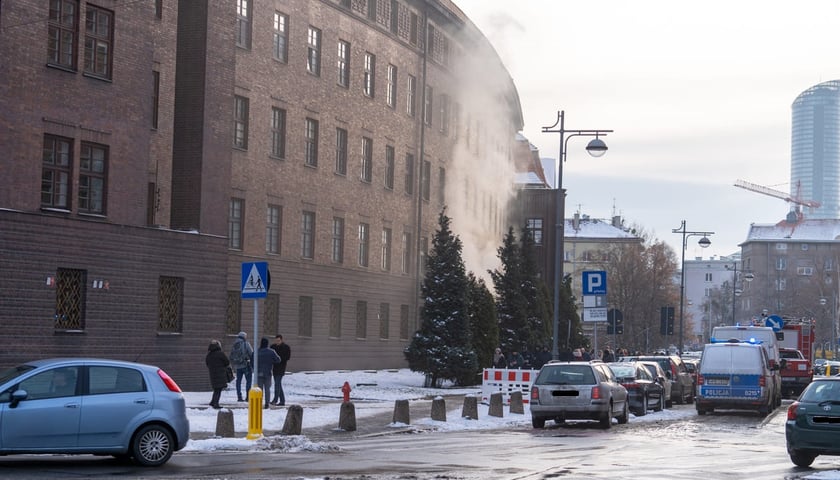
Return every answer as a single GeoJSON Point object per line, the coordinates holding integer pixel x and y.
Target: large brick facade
{"type": "Point", "coordinates": [165, 114]}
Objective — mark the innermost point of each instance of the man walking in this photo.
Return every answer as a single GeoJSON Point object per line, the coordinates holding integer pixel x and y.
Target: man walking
{"type": "Point", "coordinates": [285, 353]}
{"type": "Point", "coordinates": [241, 355]}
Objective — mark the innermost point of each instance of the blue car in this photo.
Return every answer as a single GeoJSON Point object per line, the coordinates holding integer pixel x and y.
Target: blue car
{"type": "Point", "coordinates": [813, 422]}
{"type": "Point", "coordinates": [92, 406]}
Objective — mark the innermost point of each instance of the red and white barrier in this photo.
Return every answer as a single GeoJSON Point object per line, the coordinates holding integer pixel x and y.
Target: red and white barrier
{"type": "Point", "coordinates": [507, 381]}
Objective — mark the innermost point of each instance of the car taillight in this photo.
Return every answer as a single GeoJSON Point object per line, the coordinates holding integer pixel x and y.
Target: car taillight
{"type": "Point", "coordinates": [762, 381]}
{"type": "Point", "coordinates": [700, 379]}
{"type": "Point", "coordinates": [167, 380]}
{"type": "Point", "coordinates": [596, 393]}
{"type": "Point", "coordinates": [791, 414]}
{"type": "Point", "coordinates": [535, 394]}
{"type": "Point", "coordinates": [631, 386]}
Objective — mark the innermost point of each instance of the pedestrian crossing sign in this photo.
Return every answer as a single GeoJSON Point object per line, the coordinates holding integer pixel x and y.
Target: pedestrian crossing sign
{"type": "Point", "coordinates": [255, 279]}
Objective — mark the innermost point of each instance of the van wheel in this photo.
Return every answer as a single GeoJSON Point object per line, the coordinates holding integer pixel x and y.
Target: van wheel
{"type": "Point", "coordinates": [801, 459]}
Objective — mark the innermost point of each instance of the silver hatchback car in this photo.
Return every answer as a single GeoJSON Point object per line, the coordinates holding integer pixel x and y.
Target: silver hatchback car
{"type": "Point", "coordinates": [577, 391]}
{"type": "Point", "coordinates": [92, 406]}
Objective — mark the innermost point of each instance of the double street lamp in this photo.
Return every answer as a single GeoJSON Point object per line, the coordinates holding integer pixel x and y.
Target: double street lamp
{"type": "Point", "coordinates": [704, 242]}
{"type": "Point", "coordinates": [596, 148]}
{"type": "Point", "coordinates": [736, 292]}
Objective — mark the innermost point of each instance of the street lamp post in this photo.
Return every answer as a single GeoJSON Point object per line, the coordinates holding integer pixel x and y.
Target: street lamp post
{"type": "Point", "coordinates": [704, 242]}
{"type": "Point", "coordinates": [596, 148]}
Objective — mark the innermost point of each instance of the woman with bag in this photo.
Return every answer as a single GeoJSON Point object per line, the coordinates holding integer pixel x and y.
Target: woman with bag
{"type": "Point", "coordinates": [218, 366]}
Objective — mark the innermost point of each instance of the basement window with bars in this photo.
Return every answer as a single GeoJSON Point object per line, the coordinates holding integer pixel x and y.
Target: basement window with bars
{"type": "Point", "coordinates": [233, 312]}
{"type": "Point", "coordinates": [70, 299]}
{"type": "Point", "coordinates": [171, 304]}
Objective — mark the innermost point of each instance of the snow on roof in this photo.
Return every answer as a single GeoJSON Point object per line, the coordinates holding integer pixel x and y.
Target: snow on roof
{"type": "Point", "coordinates": [816, 230]}
{"type": "Point", "coordinates": [594, 228]}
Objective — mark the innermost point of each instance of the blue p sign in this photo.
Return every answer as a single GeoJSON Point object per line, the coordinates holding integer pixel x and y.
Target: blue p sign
{"type": "Point", "coordinates": [595, 282]}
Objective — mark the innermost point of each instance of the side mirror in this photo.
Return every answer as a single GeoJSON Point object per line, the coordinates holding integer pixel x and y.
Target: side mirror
{"type": "Point", "coordinates": [17, 397]}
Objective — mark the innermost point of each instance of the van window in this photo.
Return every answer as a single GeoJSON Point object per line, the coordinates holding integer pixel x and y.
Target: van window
{"type": "Point", "coordinates": [732, 359]}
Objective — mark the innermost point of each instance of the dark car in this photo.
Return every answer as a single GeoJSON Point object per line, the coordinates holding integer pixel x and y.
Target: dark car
{"type": "Point", "coordinates": [682, 386]}
{"type": "Point", "coordinates": [577, 391]}
{"type": "Point", "coordinates": [644, 391]}
{"type": "Point", "coordinates": [813, 422]}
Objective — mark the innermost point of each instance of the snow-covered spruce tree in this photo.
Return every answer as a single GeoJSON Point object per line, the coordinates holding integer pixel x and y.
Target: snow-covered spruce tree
{"type": "Point", "coordinates": [483, 323]}
{"type": "Point", "coordinates": [442, 348]}
{"type": "Point", "coordinates": [511, 302]}
{"type": "Point", "coordinates": [534, 288]}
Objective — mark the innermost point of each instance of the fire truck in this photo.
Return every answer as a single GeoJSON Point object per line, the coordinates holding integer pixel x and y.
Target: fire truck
{"type": "Point", "coordinates": [796, 347]}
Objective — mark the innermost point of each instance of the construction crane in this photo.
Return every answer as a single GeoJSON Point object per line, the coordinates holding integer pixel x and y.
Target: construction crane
{"type": "Point", "coordinates": [796, 199]}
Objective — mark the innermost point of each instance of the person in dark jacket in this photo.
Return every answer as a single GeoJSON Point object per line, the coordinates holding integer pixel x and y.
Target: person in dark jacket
{"type": "Point", "coordinates": [266, 359]}
{"type": "Point", "coordinates": [285, 353]}
{"type": "Point", "coordinates": [217, 363]}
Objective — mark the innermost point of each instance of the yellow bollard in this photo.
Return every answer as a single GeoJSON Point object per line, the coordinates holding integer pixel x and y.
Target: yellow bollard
{"type": "Point", "coordinates": [255, 410]}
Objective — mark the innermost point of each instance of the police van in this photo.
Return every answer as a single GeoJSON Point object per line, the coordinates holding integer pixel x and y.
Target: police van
{"type": "Point", "coordinates": [736, 375]}
{"type": "Point", "coordinates": [766, 337]}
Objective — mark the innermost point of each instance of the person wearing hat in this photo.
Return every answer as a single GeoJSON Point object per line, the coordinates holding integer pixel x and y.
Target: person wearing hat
{"type": "Point", "coordinates": [241, 356]}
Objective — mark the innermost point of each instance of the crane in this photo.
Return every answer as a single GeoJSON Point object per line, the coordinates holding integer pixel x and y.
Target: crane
{"type": "Point", "coordinates": [796, 199]}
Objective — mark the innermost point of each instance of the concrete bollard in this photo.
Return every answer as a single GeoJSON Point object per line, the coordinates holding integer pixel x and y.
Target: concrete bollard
{"type": "Point", "coordinates": [347, 417]}
{"type": "Point", "coordinates": [470, 410]}
{"type": "Point", "coordinates": [496, 405]}
{"type": "Point", "coordinates": [224, 423]}
{"type": "Point", "coordinates": [439, 409]}
{"type": "Point", "coordinates": [294, 420]}
{"type": "Point", "coordinates": [516, 405]}
{"type": "Point", "coordinates": [401, 414]}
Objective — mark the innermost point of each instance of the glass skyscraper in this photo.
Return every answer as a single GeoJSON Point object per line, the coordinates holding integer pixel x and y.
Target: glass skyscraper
{"type": "Point", "coordinates": [815, 149]}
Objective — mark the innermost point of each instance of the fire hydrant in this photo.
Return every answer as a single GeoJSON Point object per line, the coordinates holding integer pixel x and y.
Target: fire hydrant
{"type": "Point", "coordinates": [345, 389]}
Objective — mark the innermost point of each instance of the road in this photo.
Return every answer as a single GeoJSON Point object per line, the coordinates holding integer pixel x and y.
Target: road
{"type": "Point", "coordinates": [724, 445]}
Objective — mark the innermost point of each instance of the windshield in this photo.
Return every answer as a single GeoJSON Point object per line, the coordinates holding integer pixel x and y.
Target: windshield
{"type": "Point", "coordinates": [821, 391]}
{"type": "Point", "coordinates": [14, 372]}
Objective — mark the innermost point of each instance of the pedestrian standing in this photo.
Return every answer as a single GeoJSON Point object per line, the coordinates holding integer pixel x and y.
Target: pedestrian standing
{"type": "Point", "coordinates": [266, 359]}
{"type": "Point", "coordinates": [285, 353]}
{"type": "Point", "coordinates": [217, 364]}
{"type": "Point", "coordinates": [241, 357]}
{"type": "Point", "coordinates": [499, 360]}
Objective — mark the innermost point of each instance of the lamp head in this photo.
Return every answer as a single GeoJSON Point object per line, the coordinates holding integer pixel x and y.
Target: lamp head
{"type": "Point", "coordinates": [704, 242]}
{"type": "Point", "coordinates": [749, 277]}
{"type": "Point", "coordinates": [596, 147]}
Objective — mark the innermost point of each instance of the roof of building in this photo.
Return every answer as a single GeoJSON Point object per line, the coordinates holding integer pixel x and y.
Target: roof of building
{"type": "Point", "coordinates": [810, 230]}
{"type": "Point", "coordinates": [594, 228]}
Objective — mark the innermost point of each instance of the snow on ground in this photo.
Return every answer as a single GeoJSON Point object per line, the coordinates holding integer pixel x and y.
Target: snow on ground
{"type": "Point", "coordinates": [373, 393]}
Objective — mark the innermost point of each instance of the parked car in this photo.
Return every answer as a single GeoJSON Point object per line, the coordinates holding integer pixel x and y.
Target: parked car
{"type": "Point", "coordinates": [691, 365]}
{"type": "Point", "coordinates": [92, 406]}
{"type": "Point", "coordinates": [682, 387]}
{"type": "Point", "coordinates": [643, 390]}
{"type": "Point", "coordinates": [735, 375]}
{"type": "Point", "coordinates": [657, 373]}
{"type": "Point", "coordinates": [813, 422]}
{"type": "Point", "coordinates": [577, 391]}
{"type": "Point", "coordinates": [796, 372]}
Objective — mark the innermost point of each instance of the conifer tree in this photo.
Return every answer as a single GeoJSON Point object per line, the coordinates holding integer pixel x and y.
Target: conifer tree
{"type": "Point", "coordinates": [534, 288]}
{"type": "Point", "coordinates": [442, 348]}
{"type": "Point", "coordinates": [511, 302]}
{"type": "Point", "coordinates": [483, 323]}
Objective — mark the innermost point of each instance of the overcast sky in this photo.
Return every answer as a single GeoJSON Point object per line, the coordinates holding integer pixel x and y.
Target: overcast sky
{"type": "Point", "coordinates": [698, 93]}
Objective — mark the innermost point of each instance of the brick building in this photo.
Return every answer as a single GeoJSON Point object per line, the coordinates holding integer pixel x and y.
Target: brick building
{"type": "Point", "coordinates": [150, 148]}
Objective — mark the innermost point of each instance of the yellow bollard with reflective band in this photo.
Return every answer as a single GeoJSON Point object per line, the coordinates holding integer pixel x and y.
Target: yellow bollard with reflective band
{"type": "Point", "coordinates": [255, 411]}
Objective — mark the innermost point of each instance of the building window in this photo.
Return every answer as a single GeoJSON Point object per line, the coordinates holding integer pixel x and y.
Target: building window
{"type": "Point", "coordinates": [63, 30]}
{"type": "Point", "coordinates": [364, 244]}
{"type": "Point", "coordinates": [441, 190]}
{"type": "Point", "coordinates": [99, 34]}
{"type": "Point", "coordinates": [361, 319]}
{"type": "Point", "coordinates": [313, 58]}
{"type": "Point", "coordinates": [395, 17]}
{"type": "Point", "coordinates": [93, 162]}
{"type": "Point", "coordinates": [444, 114]}
{"type": "Point", "coordinates": [409, 174]}
{"type": "Point", "coordinates": [155, 98]}
{"type": "Point", "coordinates": [828, 265]}
{"type": "Point", "coordinates": [311, 142]}
{"type": "Point", "coordinates": [233, 312]}
{"type": "Point", "coordinates": [273, 222]}
{"type": "Point", "coordinates": [371, 10]}
{"type": "Point", "coordinates": [534, 226]}
{"type": "Point", "coordinates": [335, 318]}
{"type": "Point", "coordinates": [425, 179]}
{"type": "Point", "coordinates": [170, 304]}
{"type": "Point", "coordinates": [338, 240]}
{"type": "Point", "coordinates": [413, 36]}
{"type": "Point", "coordinates": [56, 165]}
{"type": "Point", "coordinates": [367, 159]}
{"type": "Point", "coordinates": [805, 271]}
{"type": "Point", "coordinates": [341, 151]}
{"type": "Point", "coordinates": [411, 96]}
{"type": "Point", "coordinates": [384, 320]}
{"type": "Point", "coordinates": [427, 105]}
{"type": "Point", "coordinates": [781, 246]}
{"type": "Point", "coordinates": [307, 235]}
{"type": "Point", "coordinates": [406, 253]}
{"type": "Point", "coordinates": [281, 37]}
{"type": "Point", "coordinates": [344, 63]}
{"type": "Point", "coordinates": [271, 312]}
{"type": "Point", "coordinates": [305, 316]}
{"type": "Point", "coordinates": [708, 277]}
{"type": "Point", "coordinates": [424, 254]}
{"type": "Point", "coordinates": [781, 284]}
{"type": "Point", "coordinates": [386, 249]}
{"type": "Point", "coordinates": [804, 247]}
{"type": "Point", "coordinates": [404, 318]}
{"type": "Point", "coordinates": [236, 217]}
{"type": "Point", "coordinates": [240, 122]}
{"type": "Point", "coordinates": [781, 263]}
{"type": "Point", "coordinates": [243, 23]}
{"type": "Point", "coordinates": [370, 74]}
{"type": "Point", "coordinates": [278, 132]}
{"type": "Point", "coordinates": [389, 167]}
{"type": "Point", "coordinates": [391, 91]}
{"type": "Point", "coordinates": [70, 292]}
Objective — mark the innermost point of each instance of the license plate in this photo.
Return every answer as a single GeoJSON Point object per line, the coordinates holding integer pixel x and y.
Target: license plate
{"type": "Point", "coordinates": [717, 381]}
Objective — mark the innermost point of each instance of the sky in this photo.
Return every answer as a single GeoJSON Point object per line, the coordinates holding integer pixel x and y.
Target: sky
{"type": "Point", "coordinates": [698, 94]}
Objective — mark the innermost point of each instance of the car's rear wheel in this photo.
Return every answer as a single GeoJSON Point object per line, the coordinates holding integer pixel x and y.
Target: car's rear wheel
{"type": "Point", "coordinates": [625, 414]}
{"type": "Point", "coordinates": [701, 411]}
{"type": "Point", "coordinates": [538, 422]}
{"type": "Point", "coordinates": [801, 459]}
{"type": "Point", "coordinates": [152, 446]}
{"type": "Point", "coordinates": [642, 410]}
{"type": "Point", "coordinates": [606, 418]}
{"type": "Point", "coordinates": [660, 404]}
{"type": "Point", "coordinates": [681, 396]}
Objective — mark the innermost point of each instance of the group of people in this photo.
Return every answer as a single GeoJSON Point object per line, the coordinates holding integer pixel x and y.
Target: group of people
{"type": "Point", "coordinates": [271, 365]}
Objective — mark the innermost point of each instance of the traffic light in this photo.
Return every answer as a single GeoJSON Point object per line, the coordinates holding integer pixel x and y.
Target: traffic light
{"type": "Point", "coordinates": [666, 321]}
{"type": "Point", "coordinates": [615, 322]}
